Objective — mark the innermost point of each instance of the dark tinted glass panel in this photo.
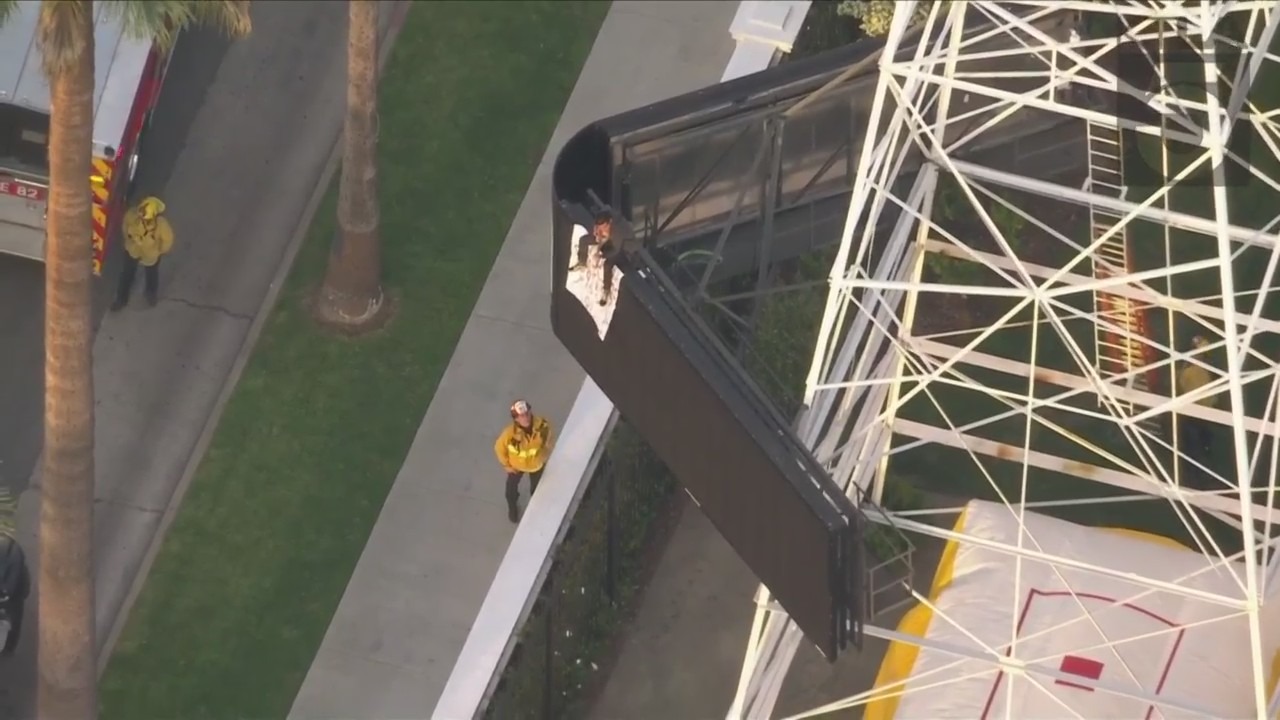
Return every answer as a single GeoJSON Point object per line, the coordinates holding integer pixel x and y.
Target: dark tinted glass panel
{"type": "Point", "coordinates": [24, 140]}
{"type": "Point", "coordinates": [725, 443]}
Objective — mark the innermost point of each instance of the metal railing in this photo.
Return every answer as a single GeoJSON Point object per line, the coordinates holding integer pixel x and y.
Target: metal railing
{"type": "Point", "coordinates": [528, 561]}
{"type": "Point", "coordinates": [594, 578]}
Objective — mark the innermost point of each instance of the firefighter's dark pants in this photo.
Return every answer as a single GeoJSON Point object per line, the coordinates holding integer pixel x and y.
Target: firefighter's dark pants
{"type": "Point", "coordinates": [1196, 445]}
{"type": "Point", "coordinates": [513, 486]}
{"type": "Point", "coordinates": [1197, 437]}
{"type": "Point", "coordinates": [150, 279]}
{"type": "Point", "coordinates": [15, 609]}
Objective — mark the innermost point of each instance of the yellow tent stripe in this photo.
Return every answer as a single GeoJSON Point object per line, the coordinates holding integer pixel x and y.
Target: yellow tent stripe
{"type": "Point", "coordinates": [900, 657]}
{"type": "Point", "coordinates": [99, 217]}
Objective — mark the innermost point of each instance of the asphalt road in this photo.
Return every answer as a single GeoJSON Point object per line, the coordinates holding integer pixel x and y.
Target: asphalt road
{"type": "Point", "coordinates": [239, 136]}
{"type": "Point", "coordinates": [195, 62]}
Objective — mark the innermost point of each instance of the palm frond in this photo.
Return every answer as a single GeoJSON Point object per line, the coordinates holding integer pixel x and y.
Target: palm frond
{"type": "Point", "coordinates": [229, 16]}
{"type": "Point", "coordinates": [6, 9]}
{"type": "Point", "coordinates": [162, 20]}
{"type": "Point", "coordinates": [63, 33]}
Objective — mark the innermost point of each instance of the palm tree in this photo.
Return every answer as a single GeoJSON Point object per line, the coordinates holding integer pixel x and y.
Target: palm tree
{"type": "Point", "coordinates": [67, 685]}
{"type": "Point", "coordinates": [351, 297]}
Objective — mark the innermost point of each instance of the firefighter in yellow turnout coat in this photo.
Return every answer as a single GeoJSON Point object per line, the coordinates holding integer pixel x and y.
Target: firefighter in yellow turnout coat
{"type": "Point", "coordinates": [522, 449]}
{"type": "Point", "coordinates": [147, 238]}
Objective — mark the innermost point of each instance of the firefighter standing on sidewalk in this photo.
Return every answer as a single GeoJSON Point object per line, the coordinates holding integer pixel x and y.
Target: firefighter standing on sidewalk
{"type": "Point", "coordinates": [147, 238]}
{"type": "Point", "coordinates": [522, 449]}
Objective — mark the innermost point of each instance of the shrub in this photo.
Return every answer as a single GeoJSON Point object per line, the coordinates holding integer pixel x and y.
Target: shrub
{"type": "Point", "coordinates": [951, 206]}
{"type": "Point", "coordinates": [875, 16]}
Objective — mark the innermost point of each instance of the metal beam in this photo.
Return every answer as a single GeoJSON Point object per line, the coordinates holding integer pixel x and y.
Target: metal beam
{"type": "Point", "coordinates": [1243, 85]}
{"type": "Point", "coordinates": [1068, 563]}
{"type": "Point", "coordinates": [1132, 292]}
{"type": "Point", "coordinates": [773, 134]}
{"type": "Point", "coordinates": [1077, 382]}
{"type": "Point", "coordinates": [892, 264]}
{"type": "Point", "coordinates": [1235, 363]}
{"type": "Point", "coordinates": [1043, 104]}
{"type": "Point", "coordinates": [1087, 471]}
{"type": "Point", "coordinates": [1173, 218]}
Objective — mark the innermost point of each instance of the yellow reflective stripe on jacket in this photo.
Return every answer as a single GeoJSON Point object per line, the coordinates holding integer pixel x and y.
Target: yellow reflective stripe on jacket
{"type": "Point", "coordinates": [146, 244]}
{"type": "Point", "coordinates": [524, 451]}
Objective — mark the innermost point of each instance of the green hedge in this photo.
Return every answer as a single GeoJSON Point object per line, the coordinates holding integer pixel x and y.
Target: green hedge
{"type": "Point", "coordinates": [824, 29]}
{"type": "Point", "coordinates": [786, 330]}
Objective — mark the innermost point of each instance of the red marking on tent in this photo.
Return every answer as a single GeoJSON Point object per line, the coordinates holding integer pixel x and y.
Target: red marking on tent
{"type": "Point", "coordinates": [1033, 593]}
{"type": "Point", "coordinates": [1082, 666]}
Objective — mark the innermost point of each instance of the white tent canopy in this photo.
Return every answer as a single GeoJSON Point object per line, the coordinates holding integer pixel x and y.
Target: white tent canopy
{"type": "Point", "coordinates": [1107, 632]}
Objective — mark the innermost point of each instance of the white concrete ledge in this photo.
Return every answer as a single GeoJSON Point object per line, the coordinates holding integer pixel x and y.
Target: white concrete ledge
{"type": "Point", "coordinates": [775, 23]}
{"type": "Point", "coordinates": [524, 568]}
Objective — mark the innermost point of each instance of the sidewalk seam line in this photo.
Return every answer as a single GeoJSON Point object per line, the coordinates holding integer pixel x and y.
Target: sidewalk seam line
{"type": "Point", "coordinates": [398, 13]}
{"type": "Point", "coordinates": [509, 321]}
{"type": "Point", "coordinates": [209, 308]}
{"type": "Point", "coordinates": [128, 506]}
{"type": "Point", "coordinates": [376, 661]}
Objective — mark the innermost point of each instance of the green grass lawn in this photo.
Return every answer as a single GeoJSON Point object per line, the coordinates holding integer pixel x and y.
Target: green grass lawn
{"type": "Point", "coordinates": [256, 561]}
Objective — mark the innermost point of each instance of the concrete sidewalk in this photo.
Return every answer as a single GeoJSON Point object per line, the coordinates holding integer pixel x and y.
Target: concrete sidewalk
{"type": "Point", "coordinates": [443, 529]}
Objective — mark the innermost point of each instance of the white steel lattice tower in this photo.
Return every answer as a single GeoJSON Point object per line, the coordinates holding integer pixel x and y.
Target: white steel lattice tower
{"type": "Point", "coordinates": [1098, 346]}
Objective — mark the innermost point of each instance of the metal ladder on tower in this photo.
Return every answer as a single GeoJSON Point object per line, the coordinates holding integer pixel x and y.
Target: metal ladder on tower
{"type": "Point", "coordinates": [1116, 353]}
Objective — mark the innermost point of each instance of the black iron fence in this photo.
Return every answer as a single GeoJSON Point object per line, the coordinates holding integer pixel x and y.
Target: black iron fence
{"type": "Point", "coordinates": [560, 658]}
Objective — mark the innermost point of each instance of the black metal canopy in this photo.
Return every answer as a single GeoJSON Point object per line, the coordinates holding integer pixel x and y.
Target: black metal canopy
{"type": "Point", "coordinates": [731, 169]}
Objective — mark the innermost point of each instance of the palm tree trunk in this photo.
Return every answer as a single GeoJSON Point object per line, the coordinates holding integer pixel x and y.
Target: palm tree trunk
{"type": "Point", "coordinates": [351, 296]}
{"type": "Point", "coordinates": [67, 686]}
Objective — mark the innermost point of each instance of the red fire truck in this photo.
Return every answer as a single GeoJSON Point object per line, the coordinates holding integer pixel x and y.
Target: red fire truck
{"type": "Point", "coordinates": [129, 75]}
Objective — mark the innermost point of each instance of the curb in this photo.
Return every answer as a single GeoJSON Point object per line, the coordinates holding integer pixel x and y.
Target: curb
{"type": "Point", "coordinates": [399, 12]}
